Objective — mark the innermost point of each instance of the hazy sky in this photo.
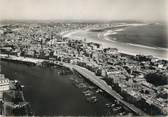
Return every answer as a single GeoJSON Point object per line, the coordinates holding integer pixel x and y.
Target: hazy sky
{"type": "Point", "coordinates": [84, 9]}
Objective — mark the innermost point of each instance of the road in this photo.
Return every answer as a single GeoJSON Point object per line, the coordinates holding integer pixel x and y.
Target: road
{"type": "Point", "coordinates": [101, 84]}
{"type": "Point", "coordinates": [90, 76]}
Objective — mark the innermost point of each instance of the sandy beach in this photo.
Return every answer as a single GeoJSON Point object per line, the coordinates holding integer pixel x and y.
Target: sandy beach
{"type": "Point", "coordinates": [128, 48]}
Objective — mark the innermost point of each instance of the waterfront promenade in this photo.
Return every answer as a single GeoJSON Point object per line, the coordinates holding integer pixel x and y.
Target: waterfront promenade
{"type": "Point", "coordinates": [22, 59]}
{"type": "Point", "coordinates": [101, 84]}
{"type": "Point", "coordinates": [87, 74]}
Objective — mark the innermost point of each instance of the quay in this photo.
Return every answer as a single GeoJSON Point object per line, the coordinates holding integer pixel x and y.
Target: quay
{"type": "Point", "coordinates": [25, 60]}
{"type": "Point", "coordinates": [84, 72]}
{"type": "Point", "coordinates": [101, 84]}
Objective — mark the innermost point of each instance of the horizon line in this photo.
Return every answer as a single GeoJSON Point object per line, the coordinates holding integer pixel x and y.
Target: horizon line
{"type": "Point", "coordinates": [78, 20]}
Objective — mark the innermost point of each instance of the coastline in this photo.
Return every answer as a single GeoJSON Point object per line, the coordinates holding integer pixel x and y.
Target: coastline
{"type": "Point", "coordinates": [127, 48]}
{"type": "Point", "coordinates": [112, 67]}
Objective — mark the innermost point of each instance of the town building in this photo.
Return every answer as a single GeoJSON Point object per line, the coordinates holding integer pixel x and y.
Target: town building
{"type": "Point", "coordinates": [4, 83]}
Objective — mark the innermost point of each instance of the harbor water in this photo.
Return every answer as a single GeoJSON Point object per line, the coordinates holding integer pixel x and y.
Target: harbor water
{"type": "Point", "coordinates": [51, 94]}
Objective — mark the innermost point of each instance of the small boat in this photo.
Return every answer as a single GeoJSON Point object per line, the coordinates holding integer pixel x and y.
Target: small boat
{"type": "Point", "coordinates": [91, 100]}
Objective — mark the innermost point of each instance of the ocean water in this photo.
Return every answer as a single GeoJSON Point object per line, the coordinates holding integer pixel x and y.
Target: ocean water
{"type": "Point", "coordinates": [124, 47]}
{"type": "Point", "coordinates": [153, 35]}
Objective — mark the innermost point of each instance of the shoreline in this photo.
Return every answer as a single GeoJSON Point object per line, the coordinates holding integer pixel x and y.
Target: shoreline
{"type": "Point", "coordinates": [105, 35]}
{"type": "Point", "coordinates": [96, 80]}
{"type": "Point", "coordinates": [126, 48]}
{"type": "Point", "coordinates": [20, 58]}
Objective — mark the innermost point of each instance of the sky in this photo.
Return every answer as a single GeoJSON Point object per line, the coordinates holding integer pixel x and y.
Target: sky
{"type": "Point", "coordinates": [152, 10]}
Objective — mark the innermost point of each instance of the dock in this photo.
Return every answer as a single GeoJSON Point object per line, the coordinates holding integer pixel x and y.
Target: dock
{"type": "Point", "coordinates": [25, 60]}
{"type": "Point", "coordinates": [103, 85]}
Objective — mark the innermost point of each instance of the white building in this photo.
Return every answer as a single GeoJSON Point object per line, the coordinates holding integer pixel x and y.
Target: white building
{"type": "Point", "coordinates": [4, 83]}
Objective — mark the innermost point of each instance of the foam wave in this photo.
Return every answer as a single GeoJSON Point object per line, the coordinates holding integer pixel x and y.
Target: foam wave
{"type": "Point", "coordinates": [143, 46]}
{"type": "Point", "coordinates": [113, 32]}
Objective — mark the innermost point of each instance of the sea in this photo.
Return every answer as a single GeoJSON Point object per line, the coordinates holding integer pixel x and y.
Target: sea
{"type": "Point", "coordinates": [134, 39]}
{"type": "Point", "coordinates": [151, 35]}
{"type": "Point", "coordinates": [51, 94]}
